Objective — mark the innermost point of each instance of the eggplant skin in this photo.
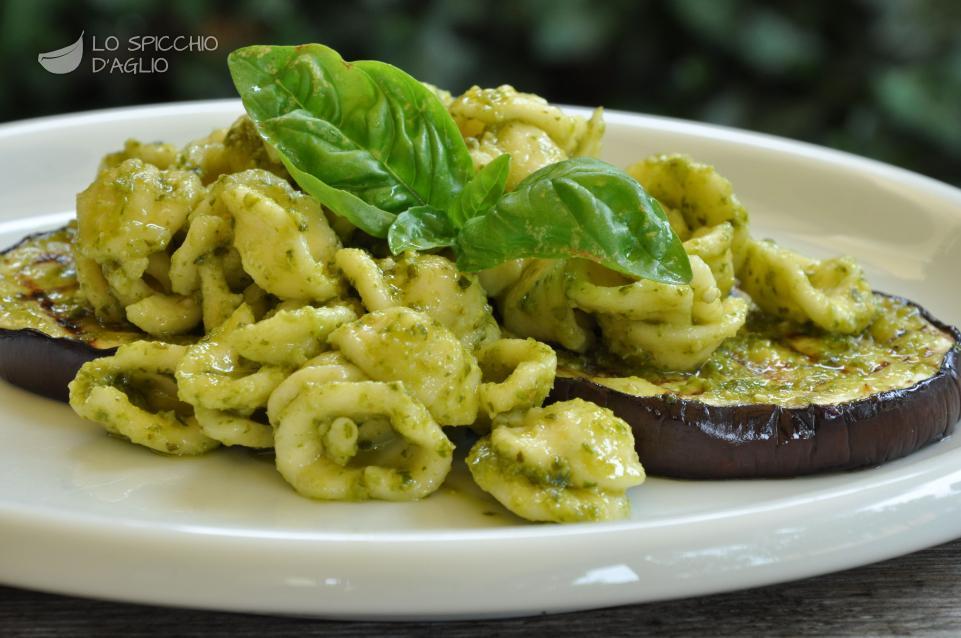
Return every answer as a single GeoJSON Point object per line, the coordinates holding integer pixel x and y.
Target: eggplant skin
{"type": "Point", "coordinates": [43, 364]}
{"type": "Point", "coordinates": [30, 358]}
{"type": "Point", "coordinates": [684, 438]}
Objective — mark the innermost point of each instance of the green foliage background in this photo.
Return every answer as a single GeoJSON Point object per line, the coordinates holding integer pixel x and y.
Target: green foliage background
{"type": "Point", "coordinates": [880, 78]}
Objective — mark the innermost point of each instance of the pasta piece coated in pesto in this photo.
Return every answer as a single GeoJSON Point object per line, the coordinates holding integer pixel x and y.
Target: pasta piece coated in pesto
{"type": "Point", "coordinates": [571, 461]}
{"type": "Point", "coordinates": [832, 294]}
{"type": "Point", "coordinates": [165, 315]}
{"type": "Point", "coordinates": [283, 238]}
{"type": "Point", "coordinates": [230, 428]}
{"type": "Point", "coordinates": [518, 375]}
{"type": "Point", "coordinates": [289, 338]}
{"type": "Point", "coordinates": [596, 289]}
{"type": "Point", "coordinates": [231, 150]}
{"type": "Point", "coordinates": [324, 368]}
{"type": "Point", "coordinates": [125, 221]}
{"type": "Point", "coordinates": [431, 284]}
{"type": "Point", "coordinates": [214, 377]}
{"type": "Point", "coordinates": [713, 244]}
{"type": "Point", "coordinates": [358, 440]}
{"type": "Point", "coordinates": [159, 154]}
{"type": "Point", "coordinates": [537, 306]}
{"type": "Point", "coordinates": [206, 234]}
{"type": "Point", "coordinates": [133, 394]}
{"type": "Point", "coordinates": [699, 198]}
{"type": "Point", "coordinates": [206, 264]}
{"type": "Point", "coordinates": [499, 278]}
{"type": "Point", "coordinates": [400, 344]}
{"type": "Point", "coordinates": [534, 133]}
{"type": "Point", "coordinates": [678, 342]}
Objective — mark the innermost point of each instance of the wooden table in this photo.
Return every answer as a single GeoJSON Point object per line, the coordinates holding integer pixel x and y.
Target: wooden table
{"type": "Point", "coordinates": [915, 595]}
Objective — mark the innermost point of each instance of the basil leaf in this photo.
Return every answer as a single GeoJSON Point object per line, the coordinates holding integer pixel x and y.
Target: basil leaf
{"type": "Point", "coordinates": [375, 140]}
{"type": "Point", "coordinates": [290, 128]}
{"type": "Point", "coordinates": [421, 228]}
{"type": "Point", "coordinates": [482, 192]}
{"type": "Point", "coordinates": [425, 227]}
{"type": "Point", "coordinates": [580, 207]}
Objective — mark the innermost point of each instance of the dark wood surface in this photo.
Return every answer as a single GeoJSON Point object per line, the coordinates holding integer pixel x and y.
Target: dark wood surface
{"type": "Point", "coordinates": [915, 595]}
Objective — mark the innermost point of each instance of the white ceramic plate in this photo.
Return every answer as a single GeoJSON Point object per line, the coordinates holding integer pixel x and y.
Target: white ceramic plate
{"type": "Point", "coordinates": [84, 514]}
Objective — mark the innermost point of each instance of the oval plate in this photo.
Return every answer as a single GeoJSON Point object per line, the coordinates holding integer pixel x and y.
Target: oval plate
{"type": "Point", "coordinates": [84, 514]}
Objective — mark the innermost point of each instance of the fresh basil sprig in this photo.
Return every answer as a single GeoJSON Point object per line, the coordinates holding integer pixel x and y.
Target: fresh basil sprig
{"type": "Point", "coordinates": [376, 146]}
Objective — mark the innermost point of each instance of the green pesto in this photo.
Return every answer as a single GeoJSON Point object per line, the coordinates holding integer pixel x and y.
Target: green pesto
{"type": "Point", "coordinates": [516, 487]}
{"type": "Point", "coordinates": [40, 266]}
{"type": "Point", "coordinates": [778, 362]}
{"type": "Point", "coordinates": [39, 290]}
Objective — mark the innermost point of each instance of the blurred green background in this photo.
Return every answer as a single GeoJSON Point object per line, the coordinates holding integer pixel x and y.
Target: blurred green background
{"type": "Point", "coordinates": [880, 78]}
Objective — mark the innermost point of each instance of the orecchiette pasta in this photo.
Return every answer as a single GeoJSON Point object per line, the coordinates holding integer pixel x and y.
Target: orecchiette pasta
{"type": "Point", "coordinates": [594, 288]}
{"type": "Point", "coordinates": [713, 245]}
{"type": "Point", "coordinates": [164, 315]}
{"type": "Point", "coordinates": [157, 153]}
{"type": "Point", "coordinates": [207, 233]}
{"type": "Point", "coordinates": [499, 278]}
{"type": "Point", "coordinates": [400, 344]}
{"type": "Point", "coordinates": [570, 461]}
{"type": "Point", "coordinates": [129, 214]}
{"type": "Point", "coordinates": [537, 306]}
{"type": "Point", "coordinates": [324, 368]}
{"type": "Point", "coordinates": [206, 263]}
{"type": "Point", "coordinates": [518, 374]}
{"type": "Point", "coordinates": [368, 278]}
{"type": "Point", "coordinates": [697, 194]}
{"type": "Point", "coordinates": [219, 301]}
{"type": "Point", "coordinates": [289, 337]}
{"type": "Point", "coordinates": [679, 341]}
{"type": "Point", "coordinates": [231, 428]}
{"type": "Point", "coordinates": [429, 283]}
{"type": "Point", "coordinates": [213, 376]}
{"type": "Point", "coordinates": [355, 440]}
{"type": "Point", "coordinates": [673, 346]}
{"type": "Point", "coordinates": [502, 120]}
{"type": "Point", "coordinates": [283, 238]}
{"type": "Point", "coordinates": [133, 394]}
{"type": "Point", "coordinates": [227, 151]}
{"type": "Point", "coordinates": [831, 294]}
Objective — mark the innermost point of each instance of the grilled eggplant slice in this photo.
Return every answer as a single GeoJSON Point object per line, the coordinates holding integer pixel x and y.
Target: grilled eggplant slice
{"type": "Point", "coordinates": [47, 330]}
{"type": "Point", "coordinates": [775, 402]}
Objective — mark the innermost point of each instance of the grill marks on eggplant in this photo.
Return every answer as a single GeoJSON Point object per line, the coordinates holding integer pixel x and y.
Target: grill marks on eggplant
{"type": "Point", "coordinates": [47, 331]}
{"type": "Point", "coordinates": [45, 297]}
{"type": "Point", "coordinates": [39, 291]}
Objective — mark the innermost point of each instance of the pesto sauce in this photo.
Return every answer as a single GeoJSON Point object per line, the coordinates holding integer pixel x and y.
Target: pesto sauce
{"type": "Point", "coordinates": [38, 286]}
{"type": "Point", "coordinates": [772, 361]}
{"type": "Point", "coordinates": [39, 290]}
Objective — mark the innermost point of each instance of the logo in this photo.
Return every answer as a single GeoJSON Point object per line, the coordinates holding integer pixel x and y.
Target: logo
{"type": "Point", "coordinates": [143, 54]}
{"type": "Point", "coordinates": [63, 60]}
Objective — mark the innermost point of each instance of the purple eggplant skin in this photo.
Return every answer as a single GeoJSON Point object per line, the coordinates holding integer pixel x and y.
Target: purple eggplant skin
{"type": "Point", "coordinates": [43, 364]}
{"type": "Point", "coordinates": [684, 438]}
{"type": "Point", "coordinates": [30, 358]}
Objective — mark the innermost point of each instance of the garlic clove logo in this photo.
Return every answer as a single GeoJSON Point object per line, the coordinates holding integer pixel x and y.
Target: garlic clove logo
{"type": "Point", "coordinates": [63, 60]}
